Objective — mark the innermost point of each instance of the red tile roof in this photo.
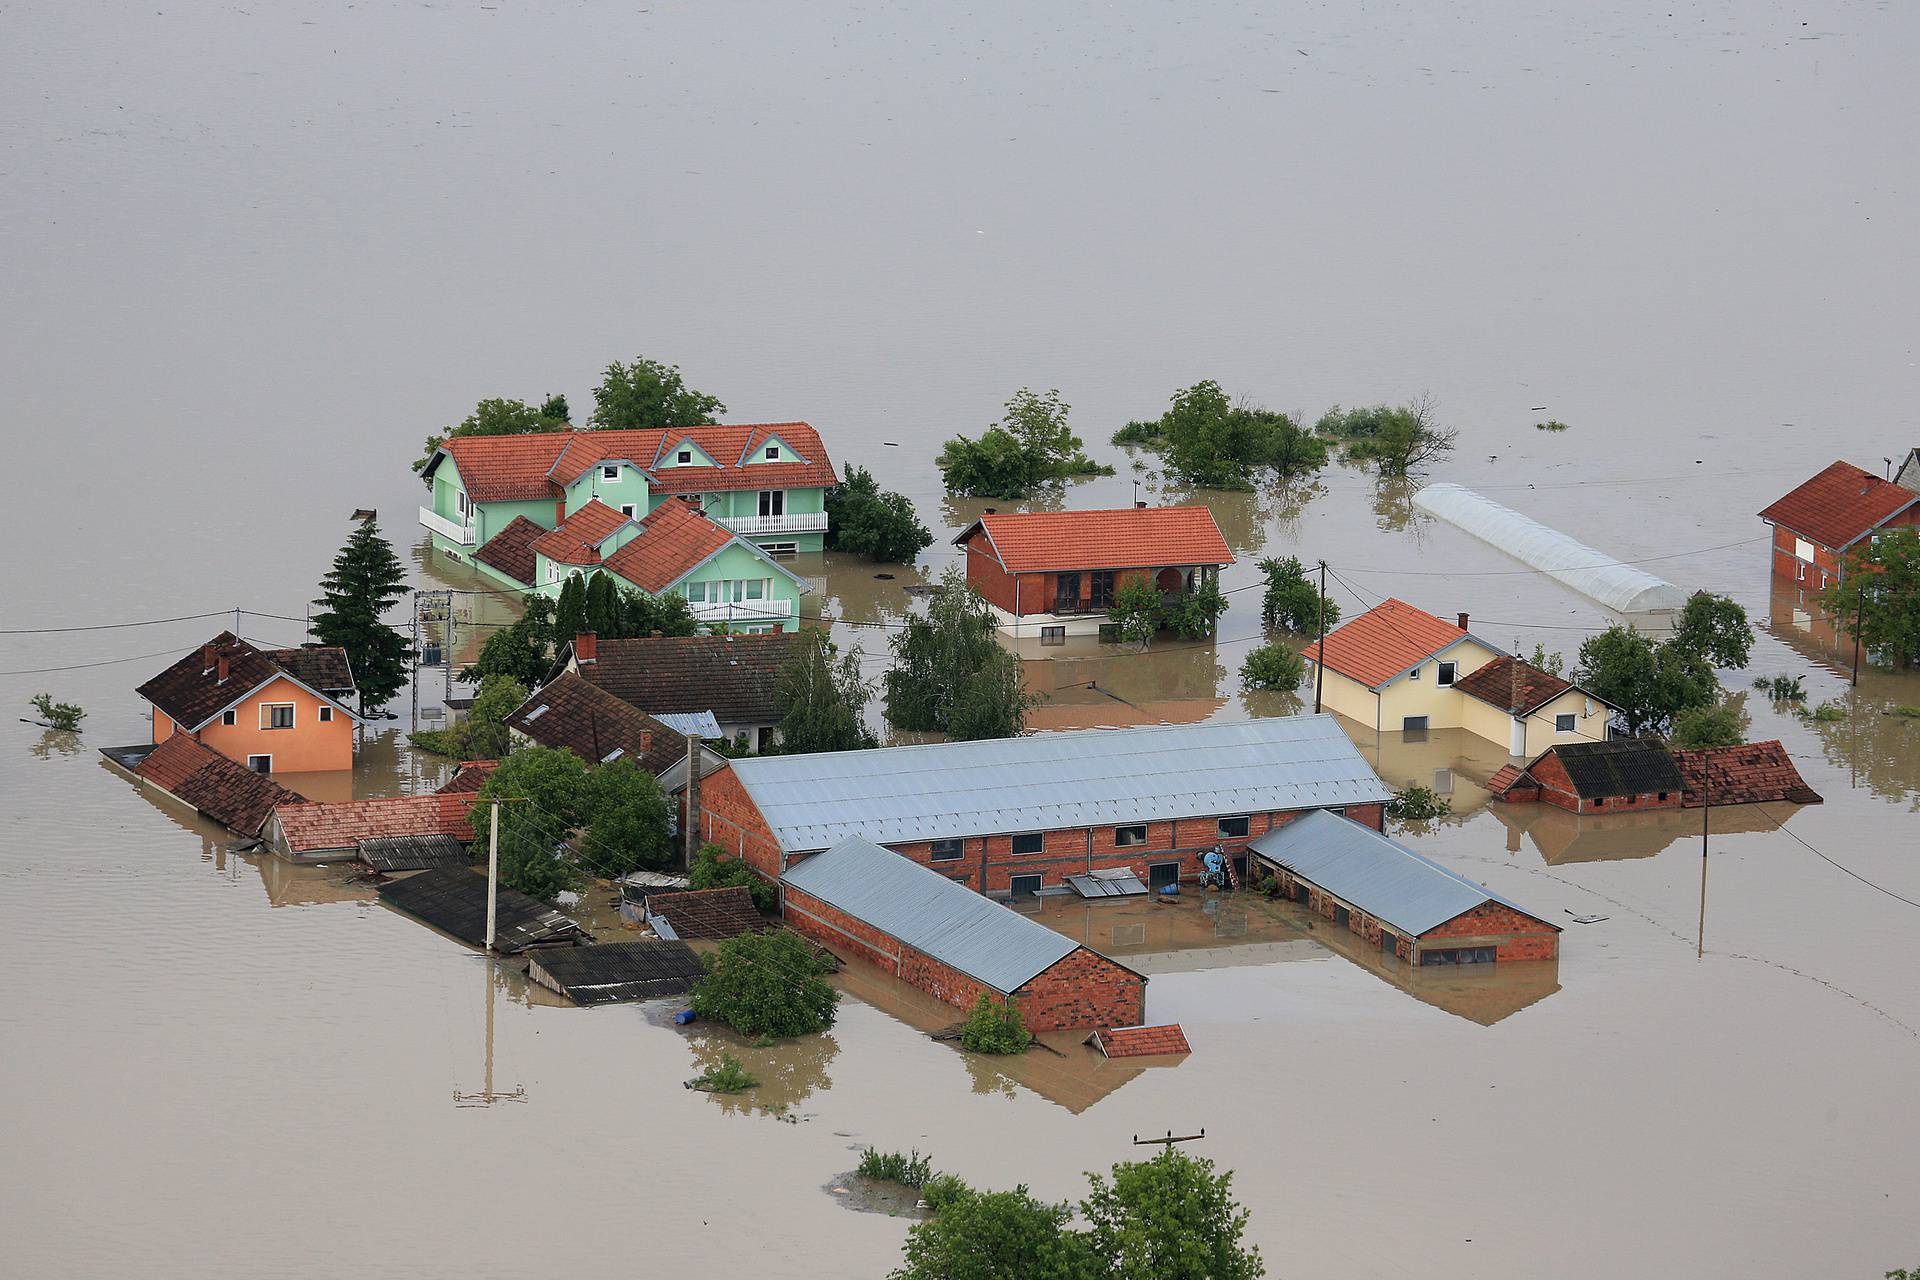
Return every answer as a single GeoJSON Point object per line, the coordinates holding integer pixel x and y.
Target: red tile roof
{"type": "Point", "coordinates": [1840, 505]}
{"type": "Point", "coordinates": [507, 468]}
{"type": "Point", "coordinates": [308, 827]}
{"type": "Point", "coordinates": [672, 541]}
{"type": "Point", "coordinates": [1127, 538]}
{"type": "Point", "coordinates": [1384, 641]}
{"type": "Point", "coordinates": [1139, 1042]}
{"type": "Point", "coordinates": [1504, 778]}
{"type": "Point", "coordinates": [727, 445]}
{"type": "Point", "coordinates": [469, 777]}
{"type": "Point", "coordinates": [511, 550]}
{"type": "Point", "coordinates": [229, 793]}
{"type": "Point", "coordinates": [526, 467]}
{"type": "Point", "coordinates": [574, 715]}
{"type": "Point", "coordinates": [1514, 686]}
{"type": "Point", "coordinates": [577, 539]}
{"type": "Point", "coordinates": [707, 913]}
{"type": "Point", "coordinates": [735, 677]}
{"type": "Point", "coordinates": [1751, 773]}
{"type": "Point", "coordinates": [191, 692]}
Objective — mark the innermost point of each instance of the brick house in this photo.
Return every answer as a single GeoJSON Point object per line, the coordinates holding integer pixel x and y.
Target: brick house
{"type": "Point", "coordinates": [1052, 574]}
{"type": "Point", "coordinates": [573, 714]}
{"type": "Point", "coordinates": [272, 710]}
{"type": "Point", "coordinates": [934, 934]}
{"type": "Point", "coordinates": [1596, 777]}
{"type": "Point", "coordinates": [1014, 815]}
{"type": "Point", "coordinates": [1389, 896]}
{"type": "Point", "coordinates": [1816, 525]}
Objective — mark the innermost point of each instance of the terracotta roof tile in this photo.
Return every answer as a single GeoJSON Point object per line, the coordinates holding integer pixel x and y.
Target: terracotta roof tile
{"type": "Point", "coordinates": [507, 468]}
{"type": "Point", "coordinates": [727, 444]}
{"type": "Point", "coordinates": [1384, 641]}
{"type": "Point", "coordinates": [1512, 685]}
{"type": "Point", "coordinates": [1840, 505]}
{"type": "Point", "coordinates": [1126, 538]}
{"type": "Point", "coordinates": [1751, 773]}
{"type": "Point", "coordinates": [1139, 1042]}
{"type": "Point", "coordinates": [511, 550]}
{"type": "Point", "coordinates": [575, 715]}
{"type": "Point", "coordinates": [191, 692]}
{"type": "Point", "coordinates": [707, 913]}
{"type": "Point", "coordinates": [318, 666]}
{"type": "Point", "coordinates": [469, 777]}
{"type": "Point", "coordinates": [526, 467]}
{"type": "Point", "coordinates": [1504, 778]}
{"type": "Point", "coordinates": [229, 793]}
{"type": "Point", "coordinates": [577, 539]}
{"type": "Point", "coordinates": [671, 542]}
{"type": "Point", "coordinates": [308, 827]}
{"type": "Point", "coordinates": [735, 677]}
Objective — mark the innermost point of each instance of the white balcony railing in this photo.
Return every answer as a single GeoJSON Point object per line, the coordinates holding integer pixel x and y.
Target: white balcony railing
{"type": "Point", "coordinates": [743, 611]}
{"type": "Point", "coordinates": [452, 530]}
{"type": "Point", "coordinates": [799, 522]}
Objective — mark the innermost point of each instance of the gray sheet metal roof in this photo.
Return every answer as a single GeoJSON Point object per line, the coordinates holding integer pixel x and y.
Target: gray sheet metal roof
{"type": "Point", "coordinates": [700, 723]}
{"type": "Point", "coordinates": [931, 913]}
{"type": "Point", "coordinates": [1089, 777]}
{"type": "Point", "coordinates": [1385, 879]}
{"type": "Point", "coordinates": [1098, 886]}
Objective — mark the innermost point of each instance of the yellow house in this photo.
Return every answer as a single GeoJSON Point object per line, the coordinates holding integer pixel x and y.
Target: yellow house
{"type": "Point", "coordinates": [1515, 702]}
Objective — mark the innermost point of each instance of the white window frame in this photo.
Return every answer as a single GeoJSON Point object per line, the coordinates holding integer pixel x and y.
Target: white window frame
{"type": "Point", "coordinates": [1414, 674]}
{"type": "Point", "coordinates": [266, 716]}
{"type": "Point", "coordinates": [758, 588]}
{"type": "Point", "coordinates": [1220, 826]}
{"type": "Point", "coordinates": [1051, 636]}
{"type": "Point", "coordinates": [773, 502]}
{"type": "Point", "coordinates": [230, 716]}
{"type": "Point", "coordinates": [771, 453]}
{"type": "Point", "coordinates": [701, 587]}
{"type": "Point", "coordinates": [1120, 843]}
{"type": "Point", "coordinates": [627, 510]}
{"type": "Point", "coordinates": [1447, 673]}
{"type": "Point", "coordinates": [1565, 722]}
{"type": "Point", "coordinates": [684, 458]}
{"type": "Point", "coordinates": [610, 473]}
{"type": "Point", "coordinates": [267, 758]}
{"type": "Point", "coordinates": [326, 715]}
{"type": "Point", "coordinates": [778, 549]}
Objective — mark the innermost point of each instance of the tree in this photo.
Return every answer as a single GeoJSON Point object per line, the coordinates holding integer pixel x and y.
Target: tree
{"type": "Point", "coordinates": [997, 1235]}
{"type": "Point", "coordinates": [483, 734]}
{"type": "Point", "coordinates": [1135, 611]}
{"type": "Point", "coordinates": [1192, 615]}
{"type": "Point", "coordinates": [867, 520]}
{"type": "Point", "coordinates": [366, 580]}
{"type": "Point", "coordinates": [1209, 440]}
{"type": "Point", "coordinates": [554, 408]}
{"type": "Point", "coordinates": [627, 819]}
{"type": "Point", "coordinates": [1291, 601]}
{"type": "Point", "coordinates": [1715, 628]}
{"type": "Point", "coordinates": [712, 869]}
{"type": "Point", "coordinates": [570, 611]}
{"type": "Point", "coordinates": [1877, 599]}
{"type": "Point", "coordinates": [822, 699]}
{"type": "Point", "coordinates": [602, 606]}
{"type": "Point", "coordinates": [1169, 1218]}
{"type": "Point", "coordinates": [949, 673]}
{"type": "Point", "coordinates": [1030, 447]}
{"type": "Point", "coordinates": [501, 418]}
{"type": "Point", "coordinates": [1713, 726]}
{"type": "Point", "coordinates": [65, 716]}
{"type": "Point", "coordinates": [648, 394]}
{"type": "Point", "coordinates": [1273, 666]}
{"type": "Point", "coordinates": [1551, 663]}
{"type": "Point", "coordinates": [767, 984]}
{"type": "Point", "coordinates": [644, 615]}
{"type": "Point", "coordinates": [522, 652]}
{"type": "Point", "coordinates": [1399, 441]}
{"type": "Point", "coordinates": [995, 1026]}
{"type": "Point", "coordinates": [544, 795]}
{"type": "Point", "coordinates": [1649, 683]}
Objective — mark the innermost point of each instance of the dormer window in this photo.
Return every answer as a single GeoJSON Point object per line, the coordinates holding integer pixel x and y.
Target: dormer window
{"type": "Point", "coordinates": [686, 456]}
{"type": "Point", "coordinates": [610, 473]}
{"type": "Point", "coordinates": [773, 453]}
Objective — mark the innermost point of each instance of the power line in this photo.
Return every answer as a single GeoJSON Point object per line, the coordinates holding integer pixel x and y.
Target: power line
{"type": "Point", "coordinates": [112, 626]}
{"type": "Point", "coordinates": [1829, 861]}
{"type": "Point", "coordinates": [82, 666]}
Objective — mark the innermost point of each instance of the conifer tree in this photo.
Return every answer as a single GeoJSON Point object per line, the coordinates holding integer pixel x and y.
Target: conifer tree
{"type": "Point", "coordinates": [603, 607]}
{"type": "Point", "coordinates": [367, 579]}
{"type": "Point", "coordinates": [570, 614]}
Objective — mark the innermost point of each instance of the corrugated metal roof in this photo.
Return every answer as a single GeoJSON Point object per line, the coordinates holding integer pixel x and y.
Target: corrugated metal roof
{"type": "Point", "coordinates": [1385, 879]}
{"type": "Point", "coordinates": [1099, 886]}
{"type": "Point", "coordinates": [699, 723]}
{"type": "Point", "coordinates": [931, 913]}
{"type": "Point", "coordinates": [1089, 777]}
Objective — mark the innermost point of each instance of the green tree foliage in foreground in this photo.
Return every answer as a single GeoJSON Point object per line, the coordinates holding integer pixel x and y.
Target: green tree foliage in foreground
{"type": "Point", "coordinates": [713, 869]}
{"type": "Point", "coordinates": [1716, 726]}
{"type": "Point", "coordinates": [545, 797]}
{"type": "Point", "coordinates": [821, 698]}
{"type": "Point", "coordinates": [877, 523]}
{"type": "Point", "coordinates": [997, 1235]}
{"type": "Point", "coordinates": [950, 675]}
{"type": "Point", "coordinates": [501, 418]}
{"type": "Point", "coordinates": [1031, 447]}
{"type": "Point", "coordinates": [767, 984]}
{"type": "Point", "coordinates": [522, 652]}
{"type": "Point", "coordinates": [1715, 628]}
{"type": "Point", "coordinates": [1273, 666]}
{"type": "Point", "coordinates": [1880, 593]}
{"type": "Point", "coordinates": [1417, 803]}
{"type": "Point", "coordinates": [366, 581]}
{"type": "Point", "coordinates": [1399, 440]}
{"type": "Point", "coordinates": [1291, 600]}
{"type": "Point", "coordinates": [628, 828]}
{"type": "Point", "coordinates": [1135, 612]}
{"type": "Point", "coordinates": [995, 1026]}
{"type": "Point", "coordinates": [65, 716]}
{"type": "Point", "coordinates": [1653, 683]}
{"type": "Point", "coordinates": [482, 735]}
{"type": "Point", "coordinates": [1193, 614]}
{"type": "Point", "coordinates": [1208, 440]}
{"type": "Point", "coordinates": [648, 394]}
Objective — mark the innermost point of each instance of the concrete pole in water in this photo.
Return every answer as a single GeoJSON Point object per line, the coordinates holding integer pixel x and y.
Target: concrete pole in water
{"type": "Point", "coordinates": [493, 879]}
{"type": "Point", "coordinates": [1320, 661]}
{"type": "Point", "coordinates": [690, 828]}
{"type": "Point", "coordinates": [1706, 811]}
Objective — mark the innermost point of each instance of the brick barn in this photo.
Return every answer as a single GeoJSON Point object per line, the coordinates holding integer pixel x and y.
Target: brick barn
{"type": "Point", "coordinates": [1819, 523]}
{"type": "Point", "coordinates": [1596, 777]}
{"type": "Point", "coordinates": [1015, 815]}
{"type": "Point", "coordinates": [932, 933]}
{"type": "Point", "coordinates": [1388, 895]}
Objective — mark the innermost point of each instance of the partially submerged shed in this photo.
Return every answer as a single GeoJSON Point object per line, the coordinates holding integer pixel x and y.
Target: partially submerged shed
{"type": "Point", "coordinates": [1596, 777]}
{"type": "Point", "coordinates": [412, 853]}
{"type": "Point", "coordinates": [334, 832]}
{"type": "Point", "coordinates": [708, 914]}
{"type": "Point", "coordinates": [454, 901]}
{"type": "Point", "coordinates": [1140, 1042]}
{"type": "Point", "coordinates": [612, 971]}
{"type": "Point", "coordinates": [193, 773]}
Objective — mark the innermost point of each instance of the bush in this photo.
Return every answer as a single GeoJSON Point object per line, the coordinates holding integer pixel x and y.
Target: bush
{"type": "Point", "coordinates": [1134, 613]}
{"type": "Point", "coordinates": [58, 715]}
{"type": "Point", "coordinates": [767, 984]}
{"type": "Point", "coordinates": [867, 520]}
{"type": "Point", "coordinates": [1551, 424]}
{"type": "Point", "coordinates": [725, 1076]}
{"type": "Point", "coordinates": [941, 1190]}
{"type": "Point", "coordinates": [1782, 688]}
{"type": "Point", "coordinates": [998, 1235]}
{"type": "Point", "coordinates": [1169, 1218]}
{"type": "Point", "coordinates": [1716, 726]}
{"type": "Point", "coordinates": [995, 1026]}
{"type": "Point", "coordinates": [1192, 615]}
{"type": "Point", "coordinates": [1399, 440]}
{"type": "Point", "coordinates": [1273, 666]}
{"type": "Point", "coordinates": [913, 1170]}
{"type": "Point", "coordinates": [1031, 447]}
{"type": "Point", "coordinates": [1827, 712]}
{"type": "Point", "coordinates": [1291, 601]}
{"type": "Point", "coordinates": [712, 869]}
{"type": "Point", "coordinates": [1207, 439]}
{"type": "Point", "coordinates": [1418, 804]}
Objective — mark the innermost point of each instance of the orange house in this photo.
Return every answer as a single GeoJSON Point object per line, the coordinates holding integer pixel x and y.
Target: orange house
{"type": "Point", "coordinates": [273, 710]}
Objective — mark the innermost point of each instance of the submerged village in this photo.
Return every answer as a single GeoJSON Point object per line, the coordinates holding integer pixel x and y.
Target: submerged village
{"type": "Point", "coordinates": [649, 777]}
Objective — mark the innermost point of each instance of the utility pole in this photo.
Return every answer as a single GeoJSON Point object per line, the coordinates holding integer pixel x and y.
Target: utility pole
{"type": "Point", "coordinates": [414, 724]}
{"type": "Point", "coordinates": [1168, 1141]}
{"type": "Point", "coordinates": [1320, 662]}
{"type": "Point", "coordinates": [236, 622]}
{"type": "Point", "coordinates": [493, 876]}
{"type": "Point", "coordinates": [690, 826]}
{"type": "Point", "coordinates": [1706, 811]}
{"type": "Point", "coordinates": [1859, 620]}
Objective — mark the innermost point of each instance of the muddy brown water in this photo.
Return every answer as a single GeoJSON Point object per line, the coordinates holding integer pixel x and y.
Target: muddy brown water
{"type": "Point", "coordinates": [254, 255]}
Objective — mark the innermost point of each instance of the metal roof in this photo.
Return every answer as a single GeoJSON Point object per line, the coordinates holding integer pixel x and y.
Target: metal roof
{"type": "Point", "coordinates": [1385, 879]}
{"type": "Point", "coordinates": [412, 853]}
{"type": "Point", "coordinates": [1087, 777]}
{"type": "Point", "coordinates": [700, 723]}
{"type": "Point", "coordinates": [1107, 886]}
{"type": "Point", "coordinates": [614, 971]}
{"type": "Point", "coordinates": [930, 913]}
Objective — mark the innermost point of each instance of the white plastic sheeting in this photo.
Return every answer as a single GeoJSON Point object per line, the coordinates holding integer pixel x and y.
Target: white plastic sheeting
{"type": "Point", "coordinates": [1594, 574]}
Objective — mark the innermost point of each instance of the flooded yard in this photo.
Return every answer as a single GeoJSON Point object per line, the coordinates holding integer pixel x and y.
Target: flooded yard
{"type": "Point", "coordinates": [255, 256]}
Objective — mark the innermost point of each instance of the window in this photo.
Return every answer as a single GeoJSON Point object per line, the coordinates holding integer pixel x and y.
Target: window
{"type": "Point", "coordinates": [229, 717]}
{"type": "Point", "coordinates": [1459, 955]}
{"type": "Point", "coordinates": [773, 453]}
{"type": "Point", "coordinates": [780, 550]}
{"type": "Point", "coordinates": [1029, 842]}
{"type": "Point", "coordinates": [260, 764]}
{"type": "Point", "coordinates": [696, 592]}
{"type": "Point", "coordinates": [773, 502]}
{"type": "Point", "coordinates": [757, 588]}
{"type": "Point", "coordinates": [610, 473]}
{"type": "Point", "coordinates": [326, 715]}
{"type": "Point", "coordinates": [1234, 828]}
{"type": "Point", "coordinates": [1663, 797]}
{"type": "Point", "coordinates": [627, 510]}
{"type": "Point", "coordinates": [1024, 886]}
{"type": "Point", "coordinates": [1414, 674]}
{"type": "Point", "coordinates": [684, 457]}
{"type": "Point", "coordinates": [1127, 837]}
{"type": "Point", "coordinates": [1100, 589]}
{"type": "Point", "coordinates": [1446, 673]}
{"type": "Point", "coordinates": [1413, 724]}
{"type": "Point", "coordinates": [1565, 723]}
{"type": "Point", "coordinates": [1053, 635]}
{"type": "Point", "coordinates": [1066, 591]}
{"type": "Point", "coordinates": [944, 850]}
{"type": "Point", "coordinates": [276, 715]}
{"type": "Point", "coordinates": [1443, 782]}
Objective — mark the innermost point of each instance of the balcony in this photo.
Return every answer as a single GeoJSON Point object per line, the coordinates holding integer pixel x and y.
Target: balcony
{"type": "Point", "coordinates": [743, 611]}
{"type": "Point", "coordinates": [452, 530]}
{"type": "Point", "coordinates": [800, 522]}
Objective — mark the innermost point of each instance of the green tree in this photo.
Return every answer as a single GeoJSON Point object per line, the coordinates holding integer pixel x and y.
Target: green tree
{"type": "Point", "coordinates": [1291, 601]}
{"type": "Point", "coordinates": [627, 819]}
{"type": "Point", "coordinates": [1169, 1218]}
{"type": "Point", "coordinates": [767, 984]}
{"type": "Point", "coordinates": [648, 394]}
{"type": "Point", "coordinates": [645, 615]}
{"type": "Point", "coordinates": [522, 652]}
{"type": "Point", "coordinates": [997, 1235]}
{"type": "Point", "coordinates": [544, 795]}
{"type": "Point", "coordinates": [1273, 666]}
{"type": "Point", "coordinates": [713, 869]}
{"type": "Point", "coordinates": [876, 523]}
{"type": "Point", "coordinates": [1208, 440]}
{"type": "Point", "coordinates": [949, 673]}
{"type": "Point", "coordinates": [1398, 440]}
{"type": "Point", "coordinates": [366, 580]}
{"type": "Point", "coordinates": [1551, 663]}
{"type": "Point", "coordinates": [500, 418]}
{"type": "Point", "coordinates": [570, 611]}
{"type": "Point", "coordinates": [1030, 447]}
{"type": "Point", "coordinates": [1877, 599]}
{"type": "Point", "coordinates": [1715, 628]}
{"type": "Point", "coordinates": [1650, 683]}
{"type": "Point", "coordinates": [602, 606]}
{"type": "Point", "coordinates": [995, 1026]}
{"type": "Point", "coordinates": [1193, 614]}
{"type": "Point", "coordinates": [1719, 725]}
{"type": "Point", "coordinates": [1135, 612]}
{"type": "Point", "coordinates": [554, 408]}
{"type": "Point", "coordinates": [822, 699]}
{"type": "Point", "coordinates": [65, 716]}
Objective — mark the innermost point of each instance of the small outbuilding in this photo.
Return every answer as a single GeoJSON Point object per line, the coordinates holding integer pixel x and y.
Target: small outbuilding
{"type": "Point", "coordinates": [708, 914]}
{"type": "Point", "coordinates": [942, 938]}
{"type": "Point", "coordinates": [454, 901]}
{"type": "Point", "coordinates": [196, 775]}
{"type": "Point", "coordinates": [613, 971]}
{"type": "Point", "coordinates": [1409, 906]}
{"type": "Point", "coordinates": [1596, 777]}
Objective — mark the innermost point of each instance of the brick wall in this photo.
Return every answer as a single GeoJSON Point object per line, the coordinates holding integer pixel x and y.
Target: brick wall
{"type": "Point", "coordinates": [729, 819]}
{"type": "Point", "coordinates": [1827, 563]}
{"type": "Point", "coordinates": [1517, 936]}
{"type": "Point", "coordinates": [1556, 789]}
{"type": "Point", "coordinates": [1085, 989]}
{"type": "Point", "coordinates": [985, 575]}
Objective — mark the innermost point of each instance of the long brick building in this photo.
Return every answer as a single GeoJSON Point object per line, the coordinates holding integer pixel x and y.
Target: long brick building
{"type": "Point", "coordinates": [1014, 815]}
{"type": "Point", "coordinates": [861, 900]}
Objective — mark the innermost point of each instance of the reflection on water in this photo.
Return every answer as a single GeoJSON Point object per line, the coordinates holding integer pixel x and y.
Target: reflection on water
{"type": "Point", "coordinates": [1560, 837]}
{"type": "Point", "coordinates": [1394, 510]}
{"type": "Point", "coordinates": [1453, 762]}
{"type": "Point", "coordinates": [64, 742]}
{"type": "Point", "coordinates": [789, 1071]}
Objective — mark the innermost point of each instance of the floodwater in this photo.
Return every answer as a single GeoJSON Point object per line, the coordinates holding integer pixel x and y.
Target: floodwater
{"type": "Point", "coordinates": [254, 254]}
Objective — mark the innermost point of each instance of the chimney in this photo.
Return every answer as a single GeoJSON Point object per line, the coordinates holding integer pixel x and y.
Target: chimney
{"type": "Point", "coordinates": [586, 648]}
{"type": "Point", "coordinates": [220, 664]}
{"type": "Point", "coordinates": [690, 827]}
{"type": "Point", "coordinates": [1463, 622]}
{"type": "Point", "coordinates": [1139, 504]}
{"type": "Point", "coordinates": [990, 511]}
{"type": "Point", "coordinates": [206, 657]}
